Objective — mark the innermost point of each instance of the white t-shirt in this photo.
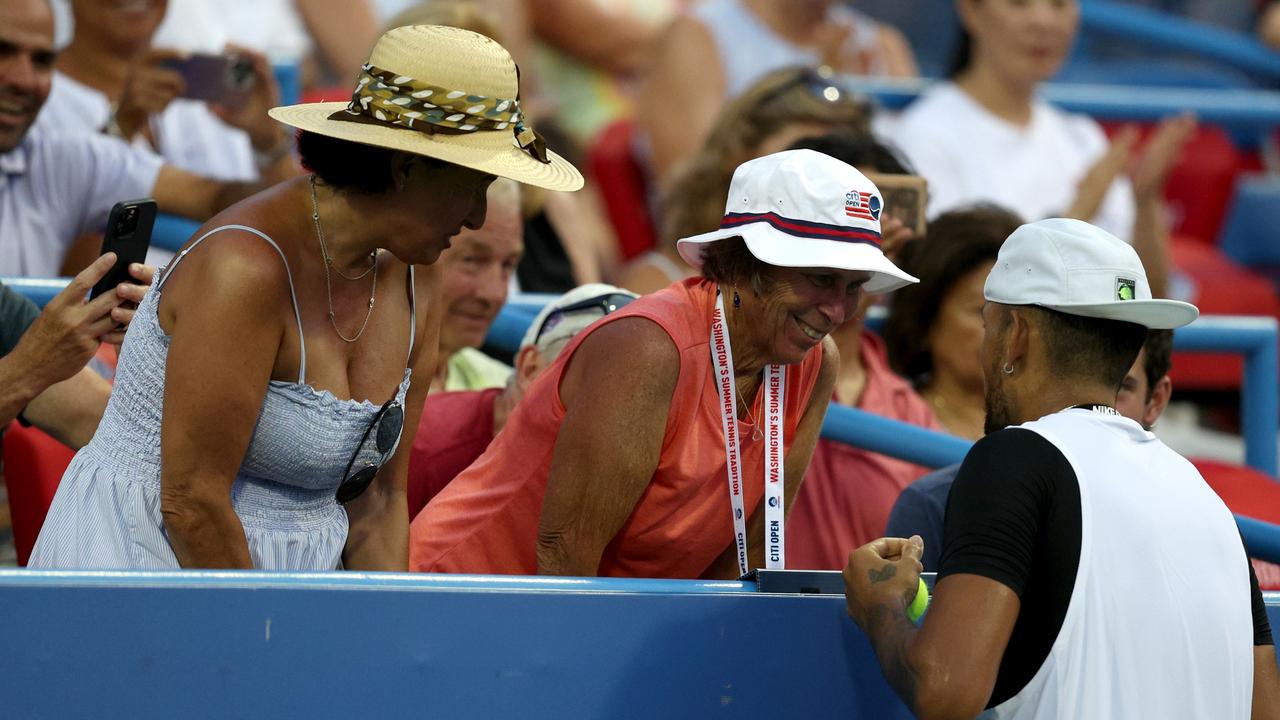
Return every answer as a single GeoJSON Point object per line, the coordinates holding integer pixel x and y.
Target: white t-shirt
{"type": "Point", "coordinates": [749, 49]}
{"type": "Point", "coordinates": [188, 135]}
{"type": "Point", "coordinates": [969, 155]}
{"type": "Point", "coordinates": [54, 188]}
{"type": "Point", "coordinates": [272, 27]}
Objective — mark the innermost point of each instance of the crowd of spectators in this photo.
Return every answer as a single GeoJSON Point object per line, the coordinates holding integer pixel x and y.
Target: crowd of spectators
{"type": "Point", "coordinates": [97, 107]}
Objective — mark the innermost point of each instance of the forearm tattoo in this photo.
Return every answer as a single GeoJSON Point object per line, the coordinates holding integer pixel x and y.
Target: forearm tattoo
{"type": "Point", "coordinates": [890, 631]}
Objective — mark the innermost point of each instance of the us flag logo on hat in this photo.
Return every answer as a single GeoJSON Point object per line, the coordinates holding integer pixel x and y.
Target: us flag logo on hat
{"type": "Point", "coordinates": [862, 205]}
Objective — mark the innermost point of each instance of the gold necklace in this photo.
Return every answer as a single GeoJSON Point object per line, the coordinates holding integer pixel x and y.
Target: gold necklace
{"type": "Point", "coordinates": [328, 282]}
{"type": "Point", "coordinates": [756, 433]}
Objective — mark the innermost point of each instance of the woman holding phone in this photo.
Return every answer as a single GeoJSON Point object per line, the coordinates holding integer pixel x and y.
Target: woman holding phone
{"type": "Point", "coordinates": [267, 379]}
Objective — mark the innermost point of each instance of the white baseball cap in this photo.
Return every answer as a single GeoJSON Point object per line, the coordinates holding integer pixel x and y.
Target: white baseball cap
{"type": "Point", "coordinates": [573, 312]}
{"type": "Point", "coordinates": [802, 208]}
{"type": "Point", "coordinates": [1076, 268]}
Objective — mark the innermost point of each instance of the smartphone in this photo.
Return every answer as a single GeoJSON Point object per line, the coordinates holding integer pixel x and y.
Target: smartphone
{"type": "Point", "coordinates": [128, 236]}
{"type": "Point", "coordinates": [224, 79]}
{"type": "Point", "coordinates": [906, 198]}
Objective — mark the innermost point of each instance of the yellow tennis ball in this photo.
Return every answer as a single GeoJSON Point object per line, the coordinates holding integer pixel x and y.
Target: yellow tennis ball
{"type": "Point", "coordinates": [917, 607]}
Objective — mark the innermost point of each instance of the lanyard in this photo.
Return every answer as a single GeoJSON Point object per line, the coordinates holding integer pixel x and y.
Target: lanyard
{"type": "Point", "coordinates": [774, 512]}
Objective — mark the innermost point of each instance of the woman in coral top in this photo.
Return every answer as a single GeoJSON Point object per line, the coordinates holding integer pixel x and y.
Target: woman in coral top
{"type": "Point", "coordinates": [669, 438]}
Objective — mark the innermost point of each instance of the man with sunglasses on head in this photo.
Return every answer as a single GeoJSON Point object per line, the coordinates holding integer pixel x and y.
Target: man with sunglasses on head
{"type": "Point", "coordinates": [457, 426]}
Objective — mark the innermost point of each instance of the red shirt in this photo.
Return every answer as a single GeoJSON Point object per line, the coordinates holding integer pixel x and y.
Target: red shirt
{"type": "Point", "coordinates": [455, 429]}
{"type": "Point", "coordinates": [848, 492]}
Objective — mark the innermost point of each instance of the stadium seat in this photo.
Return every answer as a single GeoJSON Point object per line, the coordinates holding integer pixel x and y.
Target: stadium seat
{"type": "Point", "coordinates": [623, 188]}
{"type": "Point", "coordinates": [33, 467]}
{"type": "Point", "coordinates": [1251, 234]}
{"type": "Point", "coordinates": [1252, 494]}
{"type": "Point", "coordinates": [1220, 287]}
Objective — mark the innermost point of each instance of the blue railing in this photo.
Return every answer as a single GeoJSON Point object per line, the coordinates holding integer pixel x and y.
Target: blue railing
{"type": "Point", "coordinates": [1249, 110]}
{"type": "Point", "coordinates": [1151, 27]}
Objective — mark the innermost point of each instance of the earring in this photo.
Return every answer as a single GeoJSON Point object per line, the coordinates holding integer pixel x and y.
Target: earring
{"type": "Point", "coordinates": [737, 301]}
{"type": "Point", "coordinates": [1007, 369]}
{"type": "Point", "coordinates": [401, 184]}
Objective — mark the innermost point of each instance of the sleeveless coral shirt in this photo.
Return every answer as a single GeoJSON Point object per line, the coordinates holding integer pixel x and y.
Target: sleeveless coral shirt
{"type": "Point", "coordinates": [486, 520]}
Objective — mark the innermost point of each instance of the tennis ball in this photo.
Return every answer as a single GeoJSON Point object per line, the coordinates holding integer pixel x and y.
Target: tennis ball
{"type": "Point", "coordinates": [917, 607]}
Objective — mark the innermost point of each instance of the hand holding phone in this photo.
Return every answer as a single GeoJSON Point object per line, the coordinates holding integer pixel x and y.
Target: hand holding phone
{"type": "Point", "coordinates": [226, 79]}
{"type": "Point", "coordinates": [906, 197]}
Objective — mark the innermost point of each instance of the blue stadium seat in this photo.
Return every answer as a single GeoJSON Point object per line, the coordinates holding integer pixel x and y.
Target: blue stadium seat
{"type": "Point", "coordinates": [1251, 233]}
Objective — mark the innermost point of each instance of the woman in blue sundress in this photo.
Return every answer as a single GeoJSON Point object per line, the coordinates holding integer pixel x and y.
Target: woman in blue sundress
{"type": "Point", "coordinates": [265, 382]}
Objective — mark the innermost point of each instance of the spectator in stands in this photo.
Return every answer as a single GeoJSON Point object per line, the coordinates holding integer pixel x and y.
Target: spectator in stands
{"type": "Point", "coordinates": [720, 48]}
{"type": "Point", "coordinates": [984, 136]}
{"type": "Point", "coordinates": [1062, 516]}
{"type": "Point", "coordinates": [55, 188]}
{"type": "Point", "coordinates": [782, 107]}
{"type": "Point", "coordinates": [615, 461]}
{"type": "Point", "coordinates": [320, 35]}
{"type": "Point", "coordinates": [476, 273]}
{"type": "Point", "coordinates": [110, 79]}
{"type": "Point", "coordinates": [457, 426]}
{"type": "Point", "coordinates": [934, 330]}
{"type": "Point", "coordinates": [43, 378]}
{"type": "Point", "coordinates": [250, 361]}
{"type": "Point", "coordinates": [848, 491]}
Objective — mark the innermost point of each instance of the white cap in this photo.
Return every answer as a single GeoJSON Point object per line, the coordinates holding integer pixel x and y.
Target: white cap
{"type": "Point", "coordinates": [555, 336]}
{"type": "Point", "coordinates": [1076, 268]}
{"type": "Point", "coordinates": [802, 208]}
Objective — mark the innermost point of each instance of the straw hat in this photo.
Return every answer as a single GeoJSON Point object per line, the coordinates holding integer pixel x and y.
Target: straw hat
{"type": "Point", "coordinates": [446, 93]}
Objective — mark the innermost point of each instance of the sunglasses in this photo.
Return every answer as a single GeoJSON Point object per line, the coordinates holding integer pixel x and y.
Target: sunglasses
{"type": "Point", "coordinates": [384, 434]}
{"type": "Point", "coordinates": [604, 303]}
{"type": "Point", "coordinates": [822, 85]}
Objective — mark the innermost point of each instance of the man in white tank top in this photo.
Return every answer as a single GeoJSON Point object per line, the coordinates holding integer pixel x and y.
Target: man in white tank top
{"type": "Point", "coordinates": [1087, 570]}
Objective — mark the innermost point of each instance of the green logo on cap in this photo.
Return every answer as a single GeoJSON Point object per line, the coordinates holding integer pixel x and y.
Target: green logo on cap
{"type": "Point", "coordinates": [1125, 289]}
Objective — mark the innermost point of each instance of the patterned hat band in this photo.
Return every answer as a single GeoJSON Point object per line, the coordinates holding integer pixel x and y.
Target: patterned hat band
{"type": "Point", "coordinates": [382, 97]}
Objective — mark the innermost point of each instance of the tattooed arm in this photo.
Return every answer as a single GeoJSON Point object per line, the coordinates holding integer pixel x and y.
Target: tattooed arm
{"type": "Point", "coordinates": [946, 668]}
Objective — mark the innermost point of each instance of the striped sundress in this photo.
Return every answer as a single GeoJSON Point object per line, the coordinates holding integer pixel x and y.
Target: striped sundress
{"type": "Point", "coordinates": [106, 513]}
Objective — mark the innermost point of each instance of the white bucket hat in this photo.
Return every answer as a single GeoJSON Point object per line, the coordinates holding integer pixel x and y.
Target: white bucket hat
{"type": "Point", "coordinates": [802, 208]}
{"type": "Point", "coordinates": [1076, 268]}
{"type": "Point", "coordinates": [446, 93]}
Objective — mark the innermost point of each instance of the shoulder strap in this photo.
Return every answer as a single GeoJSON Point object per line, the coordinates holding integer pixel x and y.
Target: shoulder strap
{"type": "Point", "coordinates": [413, 316]}
{"type": "Point", "coordinates": [302, 343]}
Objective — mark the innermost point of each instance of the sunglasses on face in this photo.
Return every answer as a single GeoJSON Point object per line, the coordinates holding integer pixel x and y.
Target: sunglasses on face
{"type": "Point", "coordinates": [605, 304]}
{"type": "Point", "coordinates": [382, 434]}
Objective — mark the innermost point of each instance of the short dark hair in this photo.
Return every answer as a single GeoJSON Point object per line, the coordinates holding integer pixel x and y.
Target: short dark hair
{"type": "Point", "coordinates": [346, 165]}
{"type": "Point", "coordinates": [955, 244]}
{"type": "Point", "coordinates": [730, 262]}
{"type": "Point", "coordinates": [1158, 358]}
{"type": "Point", "coordinates": [1090, 348]}
{"type": "Point", "coordinates": [858, 149]}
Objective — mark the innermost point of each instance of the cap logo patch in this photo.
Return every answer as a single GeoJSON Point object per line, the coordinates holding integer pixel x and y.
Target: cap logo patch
{"type": "Point", "coordinates": [865, 206]}
{"type": "Point", "coordinates": [1126, 289]}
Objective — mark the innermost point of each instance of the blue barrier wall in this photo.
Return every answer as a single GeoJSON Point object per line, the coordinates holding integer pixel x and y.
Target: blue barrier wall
{"type": "Point", "coordinates": [223, 645]}
{"type": "Point", "coordinates": [250, 644]}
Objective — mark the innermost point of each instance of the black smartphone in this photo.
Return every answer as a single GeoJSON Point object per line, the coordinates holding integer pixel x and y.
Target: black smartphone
{"type": "Point", "coordinates": [128, 236]}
